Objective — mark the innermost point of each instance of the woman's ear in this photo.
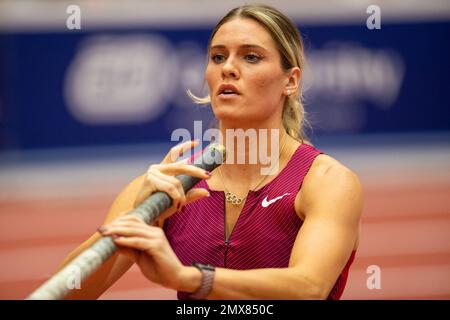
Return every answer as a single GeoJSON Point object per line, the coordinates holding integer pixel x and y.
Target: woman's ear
{"type": "Point", "coordinates": [293, 81]}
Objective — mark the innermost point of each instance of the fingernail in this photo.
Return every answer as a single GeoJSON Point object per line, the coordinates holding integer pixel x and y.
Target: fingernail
{"type": "Point", "coordinates": [101, 229]}
{"type": "Point", "coordinates": [115, 236]}
{"type": "Point", "coordinates": [208, 194]}
{"type": "Point", "coordinates": [208, 173]}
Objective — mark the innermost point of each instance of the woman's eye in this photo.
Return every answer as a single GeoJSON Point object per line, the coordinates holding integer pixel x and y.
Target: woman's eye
{"type": "Point", "coordinates": [218, 58]}
{"type": "Point", "coordinates": [251, 57]}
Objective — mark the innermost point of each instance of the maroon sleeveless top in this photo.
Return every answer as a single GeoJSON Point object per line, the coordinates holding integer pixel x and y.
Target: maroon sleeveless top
{"type": "Point", "coordinates": [264, 233]}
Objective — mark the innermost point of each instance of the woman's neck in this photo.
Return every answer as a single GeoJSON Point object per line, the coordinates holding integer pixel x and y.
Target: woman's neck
{"type": "Point", "coordinates": [253, 152]}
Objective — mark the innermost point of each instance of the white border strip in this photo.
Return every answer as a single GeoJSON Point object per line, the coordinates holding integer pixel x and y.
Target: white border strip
{"type": "Point", "coordinates": [32, 15]}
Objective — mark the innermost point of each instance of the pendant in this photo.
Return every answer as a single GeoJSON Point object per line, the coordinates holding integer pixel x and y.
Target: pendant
{"type": "Point", "coordinates": [235, 200]}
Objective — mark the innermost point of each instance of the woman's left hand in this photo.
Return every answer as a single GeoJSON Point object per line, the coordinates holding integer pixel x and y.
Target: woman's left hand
{"type": "Point", "coordinates": [148, 247]}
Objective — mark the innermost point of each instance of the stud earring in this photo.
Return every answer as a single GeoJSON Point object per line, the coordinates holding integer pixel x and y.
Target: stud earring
{"type": "Point", "coordinates": [289, 92]}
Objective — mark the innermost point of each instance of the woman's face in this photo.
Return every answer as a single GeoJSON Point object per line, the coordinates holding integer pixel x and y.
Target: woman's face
{"type": "Point", "coordinates": [244, 74]}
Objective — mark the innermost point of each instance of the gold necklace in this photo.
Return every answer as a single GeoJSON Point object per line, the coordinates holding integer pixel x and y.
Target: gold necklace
{"type": "Point", "coordinates": [234, 199]}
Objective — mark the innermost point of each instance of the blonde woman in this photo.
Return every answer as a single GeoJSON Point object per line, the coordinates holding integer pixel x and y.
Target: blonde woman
{"type": "Point", "coordinates": [240, 234]}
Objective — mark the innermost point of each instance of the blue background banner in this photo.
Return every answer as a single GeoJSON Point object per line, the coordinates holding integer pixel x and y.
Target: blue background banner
{"type": "Point", "coordinates": [119, 86]}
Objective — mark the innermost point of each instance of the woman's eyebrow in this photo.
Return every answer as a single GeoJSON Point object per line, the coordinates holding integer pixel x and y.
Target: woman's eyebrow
{"type": "Point", "coordinates": [243, 46]}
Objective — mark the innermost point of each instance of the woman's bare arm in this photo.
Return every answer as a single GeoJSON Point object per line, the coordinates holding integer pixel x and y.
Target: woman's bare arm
{"type": "Point", "coordinates": [117, 265]}
{"type": "Point", "coordinates": [132, 196]}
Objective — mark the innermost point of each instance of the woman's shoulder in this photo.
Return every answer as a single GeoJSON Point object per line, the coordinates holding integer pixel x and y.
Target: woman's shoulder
{"type": "Point", "coordinates": [328, 181]}
{"type": "Point", "coordinates": [328, 172]}
{"type": "Point", "coordinates": [325, 166]}
{"type": "Point", "coordinates": [322, 166]}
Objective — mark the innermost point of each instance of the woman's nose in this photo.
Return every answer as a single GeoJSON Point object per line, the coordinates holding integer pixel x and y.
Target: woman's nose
{"type": "Point", "coordinates": [229, 69]}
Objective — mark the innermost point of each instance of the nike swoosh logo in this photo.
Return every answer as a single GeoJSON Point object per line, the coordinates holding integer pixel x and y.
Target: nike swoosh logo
{"type": "Point", "coordinates": [266, 203]}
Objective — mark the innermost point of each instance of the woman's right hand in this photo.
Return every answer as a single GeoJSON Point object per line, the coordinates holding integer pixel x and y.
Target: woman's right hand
{"type": "Point", "coordinates": [161, 177]}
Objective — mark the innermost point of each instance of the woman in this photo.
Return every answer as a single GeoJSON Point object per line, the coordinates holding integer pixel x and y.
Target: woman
{"type": "Point", "coordinates": [291, 234]}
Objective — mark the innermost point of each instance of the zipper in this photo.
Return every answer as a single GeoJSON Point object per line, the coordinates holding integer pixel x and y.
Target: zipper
{"type": "Point", "coordinates": [226, 252]}
{"type": "Point", "coordinates": [227, 241]}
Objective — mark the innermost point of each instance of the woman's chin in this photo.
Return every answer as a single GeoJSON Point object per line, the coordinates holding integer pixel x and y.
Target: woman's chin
{"type": "Point", "coordinates": [228, 111]}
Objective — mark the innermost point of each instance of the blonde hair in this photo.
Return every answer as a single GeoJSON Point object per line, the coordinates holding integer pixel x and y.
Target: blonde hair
{"type": "Point", "coordinates": [290, 46]}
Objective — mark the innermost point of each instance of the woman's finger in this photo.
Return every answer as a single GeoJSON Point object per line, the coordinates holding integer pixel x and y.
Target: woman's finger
{"type": "Point", "coordinates": [129, 222]}
{"type": "Point", "coordinates": [124, 224]}
{"type": "Point", "coordinates": [176, 168]}
{"type": "Point", "coordinates": [191, 195]}
{"type": "Point", "coordinates": [163, 173]}
{"type": "Point", "coordinates": [196, 194]}
{"type": "Point", "coordinates": [142, 244]}
{"type": "Point", "coordinates": [127, 231]}
{"type": "Point", "coordinates": [153, 183]}
{"type": "Point", "coordinates": [178, 150]}
{"type": "Point", "coordinates": [175, 182]}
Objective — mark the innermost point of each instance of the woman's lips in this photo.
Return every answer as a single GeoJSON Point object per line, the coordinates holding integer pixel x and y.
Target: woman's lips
{"type": "Point", "coordinates": [228, 96]}
{"type": "Point", "coordinates": [227, 88]}
{"type": "Point", "coordinates": [227, 92]}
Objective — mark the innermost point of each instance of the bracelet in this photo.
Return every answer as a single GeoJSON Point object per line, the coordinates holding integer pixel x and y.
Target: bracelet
{"type": "Point", "coordinates": [206, 284]}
